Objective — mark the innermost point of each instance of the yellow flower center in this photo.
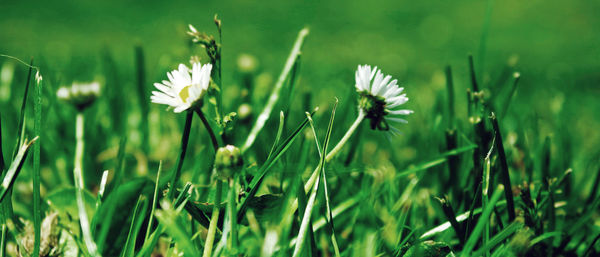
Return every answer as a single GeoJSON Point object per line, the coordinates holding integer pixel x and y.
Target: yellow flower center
{"type": "Point", "coordinates": [185, 93]}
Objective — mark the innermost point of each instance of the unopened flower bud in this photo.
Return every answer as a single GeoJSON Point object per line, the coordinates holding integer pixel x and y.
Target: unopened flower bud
{"type": "Point", "coordinates": [81, 95]}
{"type": "Point", "coordinates": [228, 161]}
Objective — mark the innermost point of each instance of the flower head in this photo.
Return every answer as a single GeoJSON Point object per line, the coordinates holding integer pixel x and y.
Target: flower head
{"type": "Point", "coordinates": [185, 88]}
{"type": "Point", "coordinates": [228, 161]}
{"type": "Point", "coordinates": [380, 98]}
{"type": "Point", "coordinates": [81, 95]}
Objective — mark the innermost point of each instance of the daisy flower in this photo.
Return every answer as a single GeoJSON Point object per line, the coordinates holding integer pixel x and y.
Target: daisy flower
{"type": "Point", "coordinates": [185, 88]}
{"type": "Point", "coordinates": [380, 98]}
{"type": "Point", "coordinates": [81, 95]}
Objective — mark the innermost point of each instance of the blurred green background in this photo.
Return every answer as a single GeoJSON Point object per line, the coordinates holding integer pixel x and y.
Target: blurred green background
{"type": "Point", "coordinates": [555, 45]}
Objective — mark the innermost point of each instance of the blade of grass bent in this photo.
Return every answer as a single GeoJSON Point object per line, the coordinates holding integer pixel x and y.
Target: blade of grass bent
{"type": "Point", "coordinates": [266, 112]}
{"type": "Point", "coordinates": [257, 180]}
{"type": "Point", "coordinates": [15, 168]}
{"type": "Point", "coordinates": [21, 126]}
{"type": "Point", "coordinates": [329, 215]}
{"type": "Point", "coordinates": [304, 226]}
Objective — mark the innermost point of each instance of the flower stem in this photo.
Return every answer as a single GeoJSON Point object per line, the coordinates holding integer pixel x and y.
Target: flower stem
{"type": "Point", "coordinates": [79, 185]}
{"type": "Point", "coordinates": [211, 133]}
{"type": "Point", "coordinates": [212, 227]}
{"type": "Point", "coordinates": [232, 216]}
{"type": "Point", "coordinates": [337, 148]}
{"type": "Point", "coordinates": [184, 142]}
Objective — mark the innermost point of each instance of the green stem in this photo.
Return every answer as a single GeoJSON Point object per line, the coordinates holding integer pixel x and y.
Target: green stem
{"type": "Point", "coordinates": [79, 185]}
{"type": "Point", "coordinates": [232, 216]}
{"type": "Point", "coordinates": [337, 148]}
{"type": "Point", "coordinates": [211, 133]}
{"type": "Point", "coordinates": [184, 142]}
{"type": "Point", "coordinates": [212, 228]}
{"type": "Point", "coordinates": [37, 211]}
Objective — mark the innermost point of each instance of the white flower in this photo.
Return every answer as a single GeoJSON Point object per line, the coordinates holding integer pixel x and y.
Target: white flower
{"type": "Point", "coordinates": [185, 88]}
{"type": "Point", "coordinates": [380, 98]}
{"type": "Point", "coordinates": [79, 94]}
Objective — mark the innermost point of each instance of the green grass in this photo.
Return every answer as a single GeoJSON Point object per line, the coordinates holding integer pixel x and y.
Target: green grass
{"type": "Point", "coordinates": [500, 157]}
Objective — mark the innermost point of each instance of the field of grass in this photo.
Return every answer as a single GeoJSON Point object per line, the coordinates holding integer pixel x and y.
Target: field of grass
{"type": "Point", "coordinates": [500, 156]}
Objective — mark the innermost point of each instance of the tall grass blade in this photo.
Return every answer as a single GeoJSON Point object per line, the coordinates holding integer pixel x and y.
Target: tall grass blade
{"type": "Point", "coordinates": [257, 180]}
{"type": "Point", "coordinates": [483, 220]}
{"type": "Point", "coordinates": [37, 210]}
{"type": "Point", "coordinates": [176, 228]}
{"type": "Point", "coordinates": [139, 213]}
{"type": "Point", "coordinates": [499, 238]}
{"type": "Point", "coordinates": [21, 127]}
{"type": "Point", "coordinates": [306, 219]}
{"type": "Point", "coordinates": [2, 163]}
{"type": "Point", "coordinates": [504, 174]}
{"type": "Point", "coordinates": [266, 112]}
{"type": "Point", "coordinates": [154, 202]}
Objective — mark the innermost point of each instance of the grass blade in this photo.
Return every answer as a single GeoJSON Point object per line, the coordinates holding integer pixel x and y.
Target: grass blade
{"type": "Point", "coordinates": [153, 203]}
{"type": "Point", "coordinates": [483, 220]}
{"type": "Point", "coordinates": [139, 213]}
{"type": "Point", "coordinates": [15, 168]}
{"type": "Point", "coordinates": [504, 174]}
{"type": "Point", "coordinates": [175, 227]}
{"type": "Point", "coordinates": [329, 215]}
{"type": "Point", "coordinates": [37, 210]}
{"type": "Point", "coordinates": [2, 163]}
{"type": "Point", "coordinates": [499, 238]}
{"type": "Point", "coordinates": [266, 112]}
{"type": "Point", "coordinates": [304, 226]}
{"type": "Point", "coordinates": [460, 218]}
{"type": "Point", "coordinates": [257, 180]}
{"type": "Point", "coordinates": [21, 126]}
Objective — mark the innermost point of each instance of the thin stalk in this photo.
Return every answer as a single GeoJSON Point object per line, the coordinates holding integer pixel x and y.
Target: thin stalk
{"type": "Point", "coordinates": [184, 142]}
{"type": "Point", "coordinates": [232, 216]}
{"type": "Point", "coordinates": [153, 203]}
{"type": "Point", "coordinates": [212, 228]}
{"type": "Point", "coordinates": [211, 133]}
{"type": "Point", "coordinates": [485, 200]}
{"type": "Point", "coordinates": [306, 218]}
{"type": "Point", "coordinates": [37, 210]}
{"type": "Point", "coordinates": [79, 185]}
{"type": "Point", "coordinates": [337, 148]}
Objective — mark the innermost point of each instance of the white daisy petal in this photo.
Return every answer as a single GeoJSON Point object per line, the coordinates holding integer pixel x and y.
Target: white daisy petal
{"type": "Point", "coordinates": [184, 88]}
{"type": "Point", "coordinates": [385, 96]}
